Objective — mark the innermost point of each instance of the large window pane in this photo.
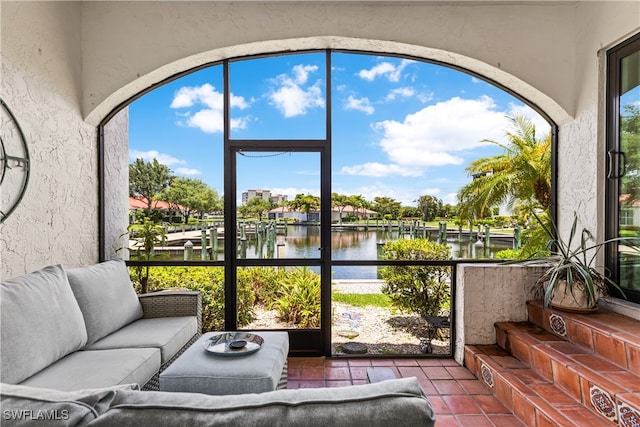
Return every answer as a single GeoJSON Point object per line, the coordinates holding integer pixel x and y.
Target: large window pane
{"type": "Point", "coordinates": [278, 97]}
{"type": "Point", "coordinates": [278, 204]}
{"type": "Point", "coordinates": [629, 137]}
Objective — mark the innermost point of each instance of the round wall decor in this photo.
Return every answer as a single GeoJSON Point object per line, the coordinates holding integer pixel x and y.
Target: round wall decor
{"type": "Point", "coordinates": [14, 162]}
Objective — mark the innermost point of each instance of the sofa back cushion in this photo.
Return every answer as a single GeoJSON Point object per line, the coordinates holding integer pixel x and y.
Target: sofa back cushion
{"type": "Point", "coordinates": [41, 323]}
{"type": "Point", "coordinates": [23, 405]}
{"type": "Point", "coordinates": [106, 297]}
{"type": "Point", "coordinates": [399, 403]}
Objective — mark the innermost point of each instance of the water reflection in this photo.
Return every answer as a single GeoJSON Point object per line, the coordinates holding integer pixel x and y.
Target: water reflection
{"type": "Point", "coordinates": [304, 242]}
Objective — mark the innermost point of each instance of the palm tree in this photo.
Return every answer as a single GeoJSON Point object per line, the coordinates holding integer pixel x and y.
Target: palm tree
{"type": "Point", "coordinates": [521, 174]}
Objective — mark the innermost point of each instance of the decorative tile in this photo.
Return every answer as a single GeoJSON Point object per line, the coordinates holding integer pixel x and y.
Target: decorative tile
{"type": "Point", "coordinates": [558, 325]}
{"type": "Point", "coordinates": [629, 417]}
{"type": "Point", "coordinates": [487, 375]}
{"type": "Point", "coordinates": [603, 403]}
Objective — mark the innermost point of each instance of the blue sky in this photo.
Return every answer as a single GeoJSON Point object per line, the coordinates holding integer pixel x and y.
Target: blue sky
{"type": "Point", "coordinates": [400, 128]}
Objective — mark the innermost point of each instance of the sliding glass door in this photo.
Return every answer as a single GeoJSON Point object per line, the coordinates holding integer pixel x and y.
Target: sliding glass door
{"type": "Point", "coordinates": [623, 140]}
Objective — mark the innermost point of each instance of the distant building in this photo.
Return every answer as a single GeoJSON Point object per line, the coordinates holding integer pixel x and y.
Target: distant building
{"type": "Point", "coordinates": [263, 194]}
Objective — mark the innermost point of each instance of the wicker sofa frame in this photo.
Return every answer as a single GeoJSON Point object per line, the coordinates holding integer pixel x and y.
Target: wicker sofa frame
{"type": "Point", "coordinates": [171, 304]}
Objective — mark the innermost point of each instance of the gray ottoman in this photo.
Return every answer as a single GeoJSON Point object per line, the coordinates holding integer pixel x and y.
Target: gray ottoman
{"type": "Point", "coordinates": [199, 371]}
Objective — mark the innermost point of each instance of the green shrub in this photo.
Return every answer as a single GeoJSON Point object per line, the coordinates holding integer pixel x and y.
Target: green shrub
{"type": "Point", "coordinates": [299, 300]}
{"type": "Point", "coordinates": [265, 283]}
{"type": "Point", "coordinates": [210, 282]}
{"type": "Point", "coordinates": [419, 289]}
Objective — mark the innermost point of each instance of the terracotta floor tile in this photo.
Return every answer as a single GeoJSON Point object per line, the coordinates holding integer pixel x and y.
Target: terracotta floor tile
{"type": "Point", "coordinates": [474, 387]}
{"type": "Point", "coordinates": [338, 383]}
{"type": "Point", "coordinates": [446, 421]}
{"type": "Point", "coordinates": [553, 394]}
{"type": "Point", "coordinates": [427, 387]}
{"type": "Point", "coordinates": [448, 387]}
{"type": "Point", "coordinates": [311, 383]}
{"type": "Point", "coordinates": [312, 373]}
{"type": "Point", "coordinates": [359, 362]}
{"type": "Point", "coordinates": [437, 373]}
{"type": "Point", "coordinates": [336, 362]}
{"type": "Point", "coordinates": [339, 373]}
{"type": "Point", "coordinates": [474, 421]}
{"type": "Point", "coordinates": [413, 371]}
{"type": "Point", "coordinates": [406, 362]}
{"type": "Point", "coordinates": [429, 362]}
{"type": "Point", "coordinates": [358, 373]}
{"type": "Point", "coordinates": [460, 373]}
{"type": "Point", "coordinates": [490, 405]}
{"type": "Point", "coordinates": [439, 406]}
{"type": "Point", "coordinates": [382, 362]}
{"type": "Point", "coordinates": [594, 362]}
{"type": "Point", "coordinates": [461, 404]}
{"type": "Point", "coordinates": [505, 420]}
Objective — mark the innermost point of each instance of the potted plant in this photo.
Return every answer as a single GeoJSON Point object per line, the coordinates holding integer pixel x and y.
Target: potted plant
{"type": "Point", "coordinates": [571, 281]}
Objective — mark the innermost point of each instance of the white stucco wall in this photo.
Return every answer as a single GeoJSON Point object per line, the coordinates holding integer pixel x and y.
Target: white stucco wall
{"type": "Point", "coordinates": [489, 293]}
{"type": "Point", "coordinates": [57, 220]}
{"type": "Point", "coordinates": [116, 186]}
{"type": "Point", "coordinates": [527, 47]}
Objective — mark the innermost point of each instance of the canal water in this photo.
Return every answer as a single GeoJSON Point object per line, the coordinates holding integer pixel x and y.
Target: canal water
{"type": "Point", "coordinates": [360, 244]}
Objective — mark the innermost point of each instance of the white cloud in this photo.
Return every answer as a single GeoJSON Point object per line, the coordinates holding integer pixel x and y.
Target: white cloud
{"type": "Point", "coordinates": [379, 170]}
{"type": "Point", "coordinates": [209, 117]}
{"type": "Point", "coordinates": [450, 199]}
{"type": "Point", "coordinates": [434, 135]}
{"type": "Point", "coordinates": [301, 73]}
{"type": "Point", "coordinates": [406, 196]}
{"type": "Point", "coordinates": [163, 158]}
{"type": "Point", "coordinates": [431, 191]}
{"type": "Point", "coordinates": [291, 192]}
{"type": "Point", "coordinates": [187, 171]}
{"type": "Point", "coordinates": [359, 104]}
{"type": "Point", "coordinates": [404, 92]}
{"type": "Point", "coordinates": [387, 69]}
{"type": "Point", "coordinates": [292, 96]}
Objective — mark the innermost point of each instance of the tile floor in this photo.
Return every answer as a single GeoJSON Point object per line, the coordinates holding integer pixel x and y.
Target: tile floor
{"type": "Point", "coordinates": [457, 397]}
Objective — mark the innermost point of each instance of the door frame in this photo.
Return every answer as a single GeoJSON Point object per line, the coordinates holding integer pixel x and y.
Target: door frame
{"type": "Point", "coordinates": [303, 342]}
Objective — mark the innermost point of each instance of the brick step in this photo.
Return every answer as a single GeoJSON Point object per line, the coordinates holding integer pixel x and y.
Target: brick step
{"type": "Point", "coordinates": [564, 368]}
{"type": "Point", "coordinates": [590, 379]}
{"type": "Point", "coordinates": [610, 335]}
{"type": "Point", "coordinates": [536, 401]}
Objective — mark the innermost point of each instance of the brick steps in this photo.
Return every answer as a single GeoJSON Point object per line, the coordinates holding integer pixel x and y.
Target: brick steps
{"type": "Point", "coordinates": [564, 369]}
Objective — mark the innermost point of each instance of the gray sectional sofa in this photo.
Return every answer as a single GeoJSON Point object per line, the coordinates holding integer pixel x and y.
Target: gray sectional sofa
{"type": "Point", "coordinates": [86, 328]}
{"type": "Point", "coordinates": [77, 344]}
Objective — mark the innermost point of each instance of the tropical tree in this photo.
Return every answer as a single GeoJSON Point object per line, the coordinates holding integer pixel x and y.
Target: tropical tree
{"type": "Point", "coordinates": [387, 206]}
{"type": "Point", "coordinates": [190, 195]}
{"type": "Point", "coordinates": [430, 207]}
{"type": "Point", "coordinates": [340, 202]}
{"type": "Point", "coordinates": [256, 206]}
{"type": "Point", "coordinates": [521, 174]}
{"type": "Point", "coordinates": [358, 202]}
{"type": "Point", "coordinates": [146, 235]}
{"type": "Point", "coordinates": [148, 179]}
{"type": "Point", "coordinates": [305, 203]}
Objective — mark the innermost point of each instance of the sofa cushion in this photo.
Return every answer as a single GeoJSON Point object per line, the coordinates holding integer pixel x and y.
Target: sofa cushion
{"type": "Point", "coordinates": [397, 403]}
{"type": "Point", "coordinates": [169, 334]}
{"type": "Point", "coordinates": [99, 368]}
{"type": "Point", "coordinates": [105, 296]}
{"type": "Point", "coordinates": [41, 323]}
{"type": "Point", "coordinates": [23, 405]}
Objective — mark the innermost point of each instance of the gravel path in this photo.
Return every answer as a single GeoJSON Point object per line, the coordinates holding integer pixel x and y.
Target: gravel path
{"type": "Point", "coordinates": [383, 331]}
